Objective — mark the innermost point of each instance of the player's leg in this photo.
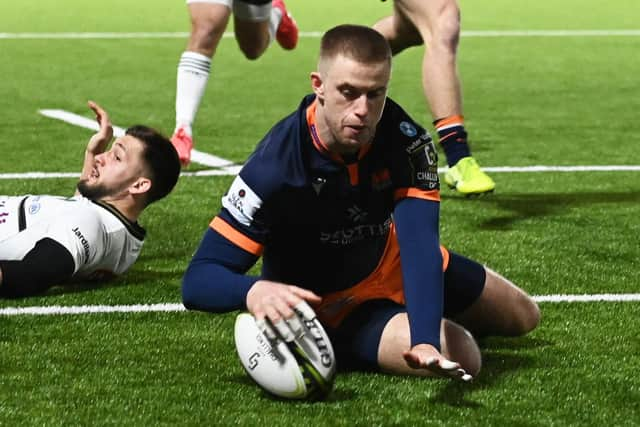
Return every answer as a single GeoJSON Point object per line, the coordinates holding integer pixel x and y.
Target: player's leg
{"type": "Point", "coordinates": [502, 309]}
{"type": "Point", "coordinates": [399, 31]}
{"type": "Point", "coordinates": [258, 22]}
{"type": "Point", "coordinates": [376, 334]}
{"type": "Point", "coordinates": [437, 22]}
{"type": "Point", "coordinates": [209, 19]}
{"type": "Point", "coordinates": [486, 303]}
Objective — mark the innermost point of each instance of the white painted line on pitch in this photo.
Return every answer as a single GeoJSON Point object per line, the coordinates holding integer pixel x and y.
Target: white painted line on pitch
{"type": "Point", "coordinates": [234, 169]}
{"type": "Point", "coordinates": [90, 309]}
{"type": "Point", "coordinates": [226, 167]}
{"type": "Point", "coordinates": [77, 120]}
{"type": "Point", "coordinates": [146, 308]}
{"type": "Point", "coordinates": [541, 168]}
{"type": "Point", "coordinates": [315, 34]}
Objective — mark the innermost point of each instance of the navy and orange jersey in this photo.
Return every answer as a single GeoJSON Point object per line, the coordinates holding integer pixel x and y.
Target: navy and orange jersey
{"type": "Point", "coordinates": [320, 221]}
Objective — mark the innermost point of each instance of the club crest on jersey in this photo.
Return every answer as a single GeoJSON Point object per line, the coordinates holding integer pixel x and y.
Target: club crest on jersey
{"type": "Point", "coordinates": [241, 201]}
{"type": "Point", "coordinates": [408, 129]}
{"type": "Point", "coordinates": [34, 208]}
{"type": "Point", "coordinates": [356, 214]}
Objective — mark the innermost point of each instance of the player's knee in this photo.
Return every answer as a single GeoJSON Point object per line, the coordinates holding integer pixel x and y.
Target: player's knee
{"type": "Point", "coordinates": [526, 317]}
{"type": "Point", "coordinates": [204, 36]}
{"type": "Point", "coordinates": [189, 295]}
{"type": "Point", "coordinates": [530, 318]}
{"type": "Point", "coordinates": [446, 32]}
{"type": "Point", "coordinates": [251, 52]}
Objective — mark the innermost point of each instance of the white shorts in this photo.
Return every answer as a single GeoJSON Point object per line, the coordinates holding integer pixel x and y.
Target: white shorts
{"type": "Point", "coordinates": [227, 3]}
{"type": "Point", "coordinates": [244, 11]}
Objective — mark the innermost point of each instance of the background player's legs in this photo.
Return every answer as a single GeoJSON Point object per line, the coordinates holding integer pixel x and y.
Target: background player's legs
{"type": "Point", "coordinates": [208, 23]}
{"type": "Point", "coordinates": [457, 345]}
{"type": "Point", "coordinates": [502, 309]}
{"type": "Point", "coordinates": [257, 25]}
{"type": "Point", "coordinates": [437, 24]}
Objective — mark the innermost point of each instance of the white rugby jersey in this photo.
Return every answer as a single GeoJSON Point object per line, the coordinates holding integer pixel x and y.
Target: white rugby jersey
{"type": "Point", "coordinates": [100, 239]}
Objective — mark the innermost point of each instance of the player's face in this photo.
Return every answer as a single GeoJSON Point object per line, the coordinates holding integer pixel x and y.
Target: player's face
{"type": "Point", "coordinates": [351, 96]}
{"type": "Point", "coordinates": [114, 170]}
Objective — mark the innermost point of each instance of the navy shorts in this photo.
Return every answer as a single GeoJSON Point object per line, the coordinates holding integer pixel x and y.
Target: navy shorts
{"type": "Point", "coordinates": [357, 338]}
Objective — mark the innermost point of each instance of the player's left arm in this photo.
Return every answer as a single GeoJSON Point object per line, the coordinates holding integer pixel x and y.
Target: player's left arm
{"type": "Point", "coordinates": [417, 223]}
{"type": "Point", "coordinates": [422, 271]}
{"type": "Point", "coordinates": [98, 142]}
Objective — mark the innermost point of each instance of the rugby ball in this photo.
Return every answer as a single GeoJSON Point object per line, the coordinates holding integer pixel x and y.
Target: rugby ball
{"type": "Point", "coordinates": [302, 366]}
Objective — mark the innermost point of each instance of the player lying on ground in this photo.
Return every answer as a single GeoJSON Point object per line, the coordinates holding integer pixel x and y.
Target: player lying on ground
{"type": "Point", "coordinates": [47, 240]}
{"type": "Point", "coordinates": [316, 200]}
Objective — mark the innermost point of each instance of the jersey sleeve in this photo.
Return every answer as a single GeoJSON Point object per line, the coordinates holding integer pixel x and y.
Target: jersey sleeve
{"type": "Point", "coordinates": [414, 168]}
{"type": "Point", "coordinates": [216, 279]}
{"type": "Point", "coordinates": [414, 173]}
{"type": "Point", "coordinates": [245, 217]}
{"type": "Point", "coordinates": [422, 273]}
{"type": "Point", "coordinates": [48, 263]}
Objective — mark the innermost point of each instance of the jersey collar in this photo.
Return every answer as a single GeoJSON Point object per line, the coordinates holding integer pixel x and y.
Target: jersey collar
{"type": "Point", "coordinates": [133, 227]}
{"type": "Point", "coordinates": [319, 144]}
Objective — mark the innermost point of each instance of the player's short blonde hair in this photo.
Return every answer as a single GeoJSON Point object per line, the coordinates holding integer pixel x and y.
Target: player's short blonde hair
{"type": "Point", "coordinates": [360, 43]}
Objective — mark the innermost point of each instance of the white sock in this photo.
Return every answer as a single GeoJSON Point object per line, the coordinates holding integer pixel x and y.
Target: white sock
{"type": "Point", "coordinates": [191, 82]}
{"type": "Point", "coordinates": [274, 22]}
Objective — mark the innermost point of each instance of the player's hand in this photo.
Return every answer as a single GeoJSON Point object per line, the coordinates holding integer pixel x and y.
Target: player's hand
{"type": "Point", "coordinates": [98, 142]}
{"type": "Point", "coordinates": [425, 356]}
{"type": "Point", "coordinates": [275, 301]}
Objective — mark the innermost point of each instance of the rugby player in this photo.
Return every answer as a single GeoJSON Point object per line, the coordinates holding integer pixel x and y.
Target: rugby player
{"type": "Point", "coordinates": [436, 24]}
{"type": "Point", "coordinates": [256, 24]}
{"type": "Point", "coordinates": [49, 240]}
{"type": "Point", "coordinates": [341, 200]}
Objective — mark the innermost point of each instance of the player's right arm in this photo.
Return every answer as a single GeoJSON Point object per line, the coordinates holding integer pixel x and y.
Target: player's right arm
{"type": "Point", "coordinates": [216, 278]}
{"type": "Point", "coordinates": [215, 281]}
{"type": "Point", "coordinates": [98, 142]}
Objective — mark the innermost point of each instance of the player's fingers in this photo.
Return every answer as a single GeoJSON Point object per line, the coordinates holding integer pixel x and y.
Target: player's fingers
{"type": "Point", "coordinates": [304, 310]}
{"type": "Point", "coordinates": [282, 327]}
{"type": "Point", "coordinates": [296, 326]}
{"type": "Point", "coordinates": [448, 365]}
{"type": "Point", "coordinates": [447, 368]}
{"type": "Point", "coordinates": [412, 360]}
{"type": "Point", "coordinates": [305, 294]}
{"type": "Point", "coordinates": [264, 327]}
{"type": "Point", "coordinates": [284, 304]}
{"type": "Point", "coordinates": [96, 109]}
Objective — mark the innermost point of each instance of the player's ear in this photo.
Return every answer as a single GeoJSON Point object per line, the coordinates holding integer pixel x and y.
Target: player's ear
{"type": "Point", "coordinates": [140, 185]}
{"type": "Point", "coordinates": [317, 85]}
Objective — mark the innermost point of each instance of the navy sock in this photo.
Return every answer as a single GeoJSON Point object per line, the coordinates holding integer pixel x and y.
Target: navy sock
{"type": "Point", "coordinates": [453, 138]}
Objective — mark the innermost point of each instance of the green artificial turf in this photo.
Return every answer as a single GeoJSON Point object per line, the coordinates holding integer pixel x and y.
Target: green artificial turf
{"type": "Point", "coordinates": [529, 101]}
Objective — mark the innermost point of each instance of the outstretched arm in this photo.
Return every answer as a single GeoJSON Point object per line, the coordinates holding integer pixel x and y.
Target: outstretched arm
{"type": "Point", "coordinates": [98, 142]}
{"type": "Point", "coordinates": [417, 225]}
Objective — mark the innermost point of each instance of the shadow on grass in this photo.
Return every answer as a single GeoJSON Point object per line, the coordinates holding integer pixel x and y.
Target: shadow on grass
{"type": "Point", "coordinates": [130, 279]}
{"type": "Point", "coordinates": [498, 360]}
{"type": "Point", "coordinates": [336, 396]}
{"type": "Point", "coordinates": [519, 207]}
